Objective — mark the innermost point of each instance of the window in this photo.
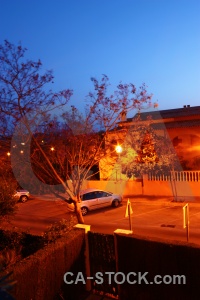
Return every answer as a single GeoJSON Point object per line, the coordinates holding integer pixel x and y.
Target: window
{"type": "Point", "coordinates": [89, 196]}
{"type": "Point", "coordinates": [103, 194]}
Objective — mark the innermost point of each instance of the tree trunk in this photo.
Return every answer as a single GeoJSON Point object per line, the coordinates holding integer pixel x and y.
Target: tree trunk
{"type": "Point", "coordinates": [77, 209]}
{"type": "Point", "coordinates": [78, 212]}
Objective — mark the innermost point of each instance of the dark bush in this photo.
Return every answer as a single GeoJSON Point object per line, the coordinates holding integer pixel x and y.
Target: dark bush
{"type": "Point", "coordinates": [25, 244]}
{"type": "Point", "coordinates": [7, 200]}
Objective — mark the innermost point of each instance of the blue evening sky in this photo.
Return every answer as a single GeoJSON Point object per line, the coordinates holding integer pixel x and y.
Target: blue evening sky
{"type": "Point", "coordinates": [156, 42]}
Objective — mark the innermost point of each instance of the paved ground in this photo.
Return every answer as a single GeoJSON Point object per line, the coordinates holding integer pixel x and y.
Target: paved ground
{"type": "Point", "coordinates": [35, 215]}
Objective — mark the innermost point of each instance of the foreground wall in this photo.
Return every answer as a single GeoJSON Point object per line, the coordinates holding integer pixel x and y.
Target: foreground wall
{"type": "Point", "coordinates": [143, 268]}
{"type": "Point", "coordinates": [40, 276]}
{"type": "Point", "coordinates": [151, 257]}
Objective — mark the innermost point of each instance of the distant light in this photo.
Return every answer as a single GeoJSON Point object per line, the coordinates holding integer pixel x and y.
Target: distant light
{"type": "Point", "coordinates": [118, 149]}
{"type": "Point", "coordinates": [52, 148]}
{"type": "Point", "coordinates": [21, 151]}
{"type": "Point", "coordinates": [23, 144]}
{"type": "Point", "coordinates": [8, 153]}
{"type": "Point", "coordinates": [155, 105]}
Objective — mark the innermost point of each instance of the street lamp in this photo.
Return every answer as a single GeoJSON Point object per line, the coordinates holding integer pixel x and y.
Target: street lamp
{"type": "Point", "coordinates": [118, 149]}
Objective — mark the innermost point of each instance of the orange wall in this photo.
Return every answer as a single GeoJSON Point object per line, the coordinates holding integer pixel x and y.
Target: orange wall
{"type": "Point", "coordinates": [149, 188]}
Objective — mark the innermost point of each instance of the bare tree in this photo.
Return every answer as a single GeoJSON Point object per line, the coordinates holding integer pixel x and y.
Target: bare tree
{"type": "Point", "coordinates": [34, 114]}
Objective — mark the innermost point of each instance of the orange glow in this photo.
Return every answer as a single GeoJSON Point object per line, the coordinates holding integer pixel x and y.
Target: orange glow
{"type": "Point", "coordinates": [118, 149]}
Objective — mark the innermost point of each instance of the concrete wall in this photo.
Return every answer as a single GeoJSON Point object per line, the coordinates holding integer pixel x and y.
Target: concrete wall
{"type": "Point", "coordinates": [119, 187]}
{"type": "Point", "coordinates": [147, 188]}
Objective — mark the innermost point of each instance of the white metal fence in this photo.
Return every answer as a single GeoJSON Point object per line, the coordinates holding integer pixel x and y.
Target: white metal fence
{"type": "Point", "coordinates": [176, 175]}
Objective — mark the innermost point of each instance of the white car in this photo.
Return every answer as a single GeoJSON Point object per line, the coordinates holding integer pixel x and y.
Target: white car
{"type": "Point", "coordinates": [94, 199]}
{"type": "Point", "coordinates": [22, 195]}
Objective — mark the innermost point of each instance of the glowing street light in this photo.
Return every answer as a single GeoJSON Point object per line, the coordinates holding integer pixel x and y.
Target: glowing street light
{"type": "Point", "coordinates": [118, 149]}
{"type": "Point", "coordinates": [52, 148]}
{"type": "Point", "coordinates": [8, 153]}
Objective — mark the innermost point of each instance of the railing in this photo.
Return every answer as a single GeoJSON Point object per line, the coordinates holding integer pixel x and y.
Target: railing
{"type": "Point", "coordinates": [176, 175]}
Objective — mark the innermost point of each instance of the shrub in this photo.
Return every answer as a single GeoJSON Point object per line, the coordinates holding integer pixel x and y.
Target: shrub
{"type": "Point", "coordinates": [5, 282]}
{"type": "Point", "coordinates": [58, 229]}
{"type": "Point", "coordinates": [16, 245]}
{"type": "Point", "coordinates": [7, 200]}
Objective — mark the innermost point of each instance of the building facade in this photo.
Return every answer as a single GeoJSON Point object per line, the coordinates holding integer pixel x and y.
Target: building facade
{"type": "Point", "coordinates": [181, 125]}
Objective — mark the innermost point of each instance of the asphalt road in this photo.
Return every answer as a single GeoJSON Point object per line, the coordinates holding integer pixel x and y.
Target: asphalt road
{"type": "Point", "coordinates": [158, 218]}
{"type": "Point", "coordinates": [37, 214]}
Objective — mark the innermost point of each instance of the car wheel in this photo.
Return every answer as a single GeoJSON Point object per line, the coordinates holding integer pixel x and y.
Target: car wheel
{"type": "Point", "coordinates": [115, 203]}
{"type": "Point", "coordinates": [84, 211]}
{"type": "Point", "coordinates": [23, 198]}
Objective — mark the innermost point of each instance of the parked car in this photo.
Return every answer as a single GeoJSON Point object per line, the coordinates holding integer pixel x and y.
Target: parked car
{"type": "Point", "coordinates": [22, 195]}
{"type": "Point", "coordinates": [94, 199]}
